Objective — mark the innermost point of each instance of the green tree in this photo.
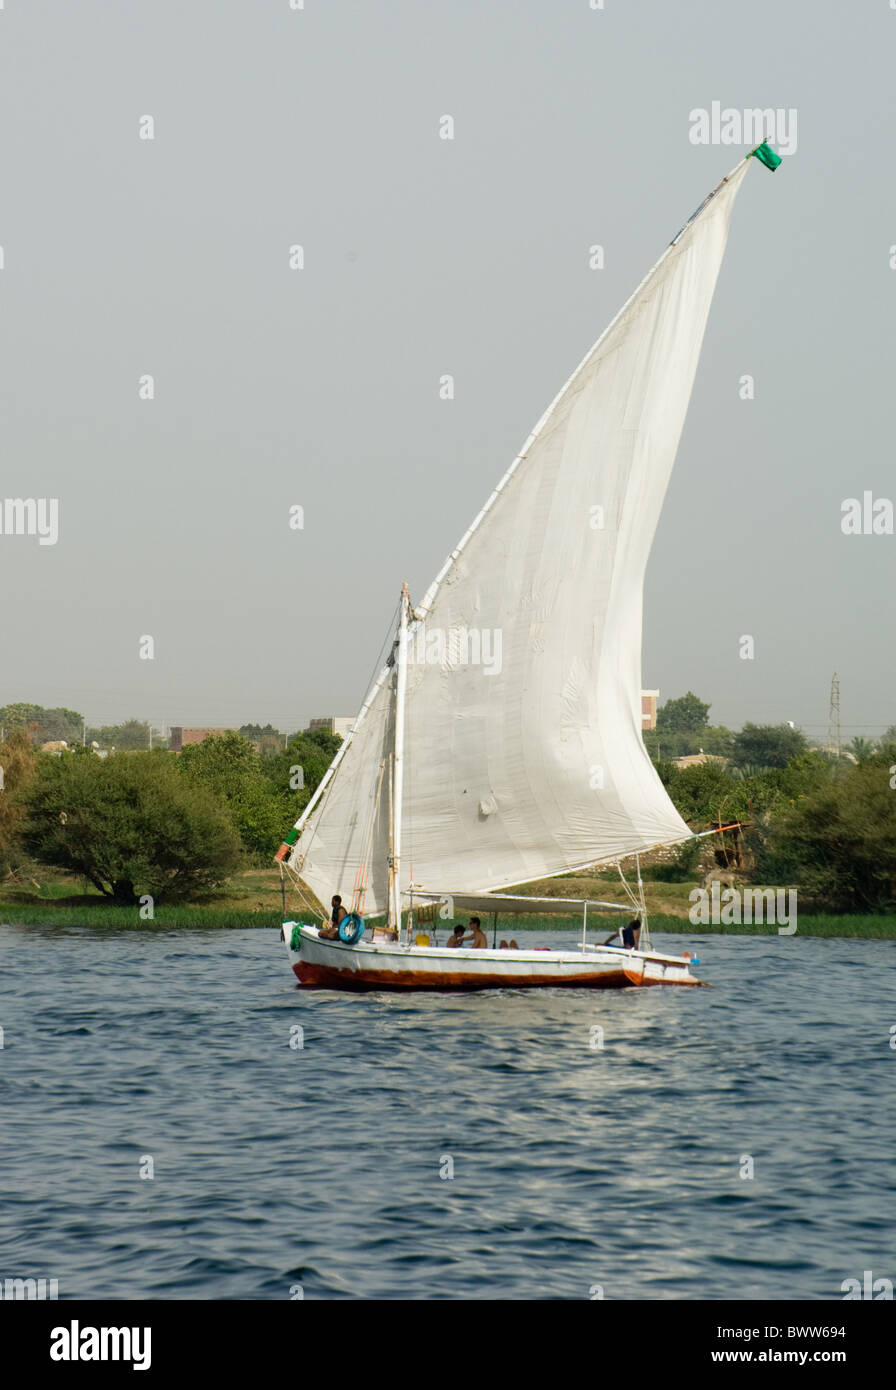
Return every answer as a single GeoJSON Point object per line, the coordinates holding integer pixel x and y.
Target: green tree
{"type": "Point", "coordinates": [862, 748]}
{"type": "Point", "coordinates": [837, 842]}
{"type": "Point", "coordinates": [17, 766]}
{"type": "Point", "coordinates": [19, 717]}
{"type": "Point", "coordinates": [705, 792]}
{"type": "Point", "coordinates": [686, 715]}
{"type": "Point", "coordinates": [261, 815]}
{"type": "Point", "coordinates": [42, 724]}
{"type": "Point", "coordinates": [130, 824]}
{"type": "Point", "coordinates": [718, 740]}
{"type": "Point", "coordinates": [224, 762]}
{"type": "Point", "coordinates": [60, 723]}
{"type": "Point", "coordinates": [665, 744]}
{"type": "Point", "coordinates": [267, 739]}
{"type": "Point", "coordinates": [133, 734]}
{"type": "Point", "coordinates": [297, 771]}
{"type": "Point", "coordinates": [767, 745]}
{"type": "Point", "coordinates": [228, 765]}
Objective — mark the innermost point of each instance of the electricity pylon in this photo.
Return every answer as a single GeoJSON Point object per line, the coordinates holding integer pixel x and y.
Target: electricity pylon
{"type": "Point", "coordinates": [834, 717]}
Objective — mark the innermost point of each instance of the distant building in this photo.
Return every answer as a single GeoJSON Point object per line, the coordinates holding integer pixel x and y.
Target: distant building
{"type": "Point", "coordinates": [333, 723]}
{"type": "Point", "coordinates": [180, 738]}
{"type": "Point", "coordinates": [698, 759]}
{"type": "Point", "coordinates": [648, 709]}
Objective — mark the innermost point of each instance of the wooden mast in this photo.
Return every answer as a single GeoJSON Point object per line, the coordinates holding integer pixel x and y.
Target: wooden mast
{"type": "Point", "coordinates": [401, 682]}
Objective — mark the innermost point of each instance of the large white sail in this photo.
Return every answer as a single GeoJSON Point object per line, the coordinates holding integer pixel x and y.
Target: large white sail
{"type": "Point", "coordinates": [523, 749]}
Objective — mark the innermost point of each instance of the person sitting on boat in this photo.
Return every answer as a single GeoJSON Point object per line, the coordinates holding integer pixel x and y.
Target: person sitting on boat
{"type": "Point", "coordinates": [630, 935]}
{"type": "Point", "coordinates": [478, 939]}
{"type": "Point", "coordinates": [456, 938]}
{"type": "Point", "coordinates": [330, 929]}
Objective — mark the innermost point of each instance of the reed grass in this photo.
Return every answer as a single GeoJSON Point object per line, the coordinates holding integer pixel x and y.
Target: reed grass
{"type": "Point", "coordinates": [50, 912]}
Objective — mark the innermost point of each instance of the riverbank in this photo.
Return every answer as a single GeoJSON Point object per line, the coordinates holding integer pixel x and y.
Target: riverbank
{"type": "Point", "coordinates": [253, 900]}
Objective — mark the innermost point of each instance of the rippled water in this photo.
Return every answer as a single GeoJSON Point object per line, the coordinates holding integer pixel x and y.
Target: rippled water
{"type": "Point", "coordinates": [573, 1166]}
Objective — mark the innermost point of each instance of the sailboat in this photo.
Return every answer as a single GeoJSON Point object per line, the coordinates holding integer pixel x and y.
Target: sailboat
{"type": "Point", "coordinates": [501, 741]}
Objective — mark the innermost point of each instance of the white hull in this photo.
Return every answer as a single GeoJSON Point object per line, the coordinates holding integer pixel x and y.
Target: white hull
{"type": "Point", "coordinates": [327, 964]}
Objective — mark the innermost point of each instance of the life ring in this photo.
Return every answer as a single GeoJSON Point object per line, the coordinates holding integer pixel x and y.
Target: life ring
{"type": "Point", "coordinates": [351, 928]}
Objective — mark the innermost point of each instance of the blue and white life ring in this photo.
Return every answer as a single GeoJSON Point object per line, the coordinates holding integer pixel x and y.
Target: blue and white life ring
{"type": "Point", "coordinates": [351, 928]}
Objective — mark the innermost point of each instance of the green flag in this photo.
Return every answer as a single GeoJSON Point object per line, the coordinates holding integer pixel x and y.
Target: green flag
{"type": "Point", "coordinates": [766, 155]}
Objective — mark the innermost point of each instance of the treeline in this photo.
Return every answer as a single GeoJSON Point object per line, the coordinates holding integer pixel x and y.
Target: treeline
{"type": "Point", "coordinates": [683, 729]}
{"type": "Point", "coordinates": [175, 826]}
{"type": "Point", "coordinates": [814, 819]}
{"type": "Point", "coordinates": [41, 725]}
{"type": "Point", "coordinates": [69, 726]}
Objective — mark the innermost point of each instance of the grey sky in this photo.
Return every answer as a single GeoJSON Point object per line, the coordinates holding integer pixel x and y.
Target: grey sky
{"type": "Point", "coordinates": [422, 257]}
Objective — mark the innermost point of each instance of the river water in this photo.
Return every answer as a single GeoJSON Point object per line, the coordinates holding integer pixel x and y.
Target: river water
{"type": "Point", "coordinates": [729, 1143]}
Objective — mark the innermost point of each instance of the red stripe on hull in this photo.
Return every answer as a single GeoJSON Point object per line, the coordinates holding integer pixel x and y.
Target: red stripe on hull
{"type": "Point", "coordinates": [328, 977]}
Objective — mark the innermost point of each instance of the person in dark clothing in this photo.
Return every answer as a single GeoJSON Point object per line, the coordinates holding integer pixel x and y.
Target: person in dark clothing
{"type": "Point", "coordinates": [330, 930]}
{"type": "Point", "coordinates": [630, 935]}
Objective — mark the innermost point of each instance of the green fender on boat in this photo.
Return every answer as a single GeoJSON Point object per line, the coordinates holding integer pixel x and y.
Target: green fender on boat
{"type": "Point", "coordinates": [295, 940]}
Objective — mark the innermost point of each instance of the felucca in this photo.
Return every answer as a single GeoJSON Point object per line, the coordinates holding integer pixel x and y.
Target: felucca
{"type": "Point", "coordinates": [501, 742]}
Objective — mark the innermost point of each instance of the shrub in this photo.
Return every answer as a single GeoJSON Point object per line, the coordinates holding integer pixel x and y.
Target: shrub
{"type": "Point", "coordinates": [130, 824]}
{"type": "Point", "coordinates": [837, 840]}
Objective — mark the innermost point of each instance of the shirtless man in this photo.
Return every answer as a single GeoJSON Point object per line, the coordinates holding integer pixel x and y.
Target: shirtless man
{"type": "Point", "coordinates": [479, 940]}
{"type": "Point", "coordinates": [456, 938]}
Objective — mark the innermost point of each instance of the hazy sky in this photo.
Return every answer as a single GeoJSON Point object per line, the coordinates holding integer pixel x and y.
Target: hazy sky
{"type": "Point", "coordinates": [319, 387]}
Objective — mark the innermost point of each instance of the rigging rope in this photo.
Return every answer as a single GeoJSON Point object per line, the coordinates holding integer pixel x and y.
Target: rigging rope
{"type": "Point", "coordinates": [300, 893]}
{"type": "Point", "coordinates": [629, 894]}
{"type": "Point", "coordinates": [639, 903]}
